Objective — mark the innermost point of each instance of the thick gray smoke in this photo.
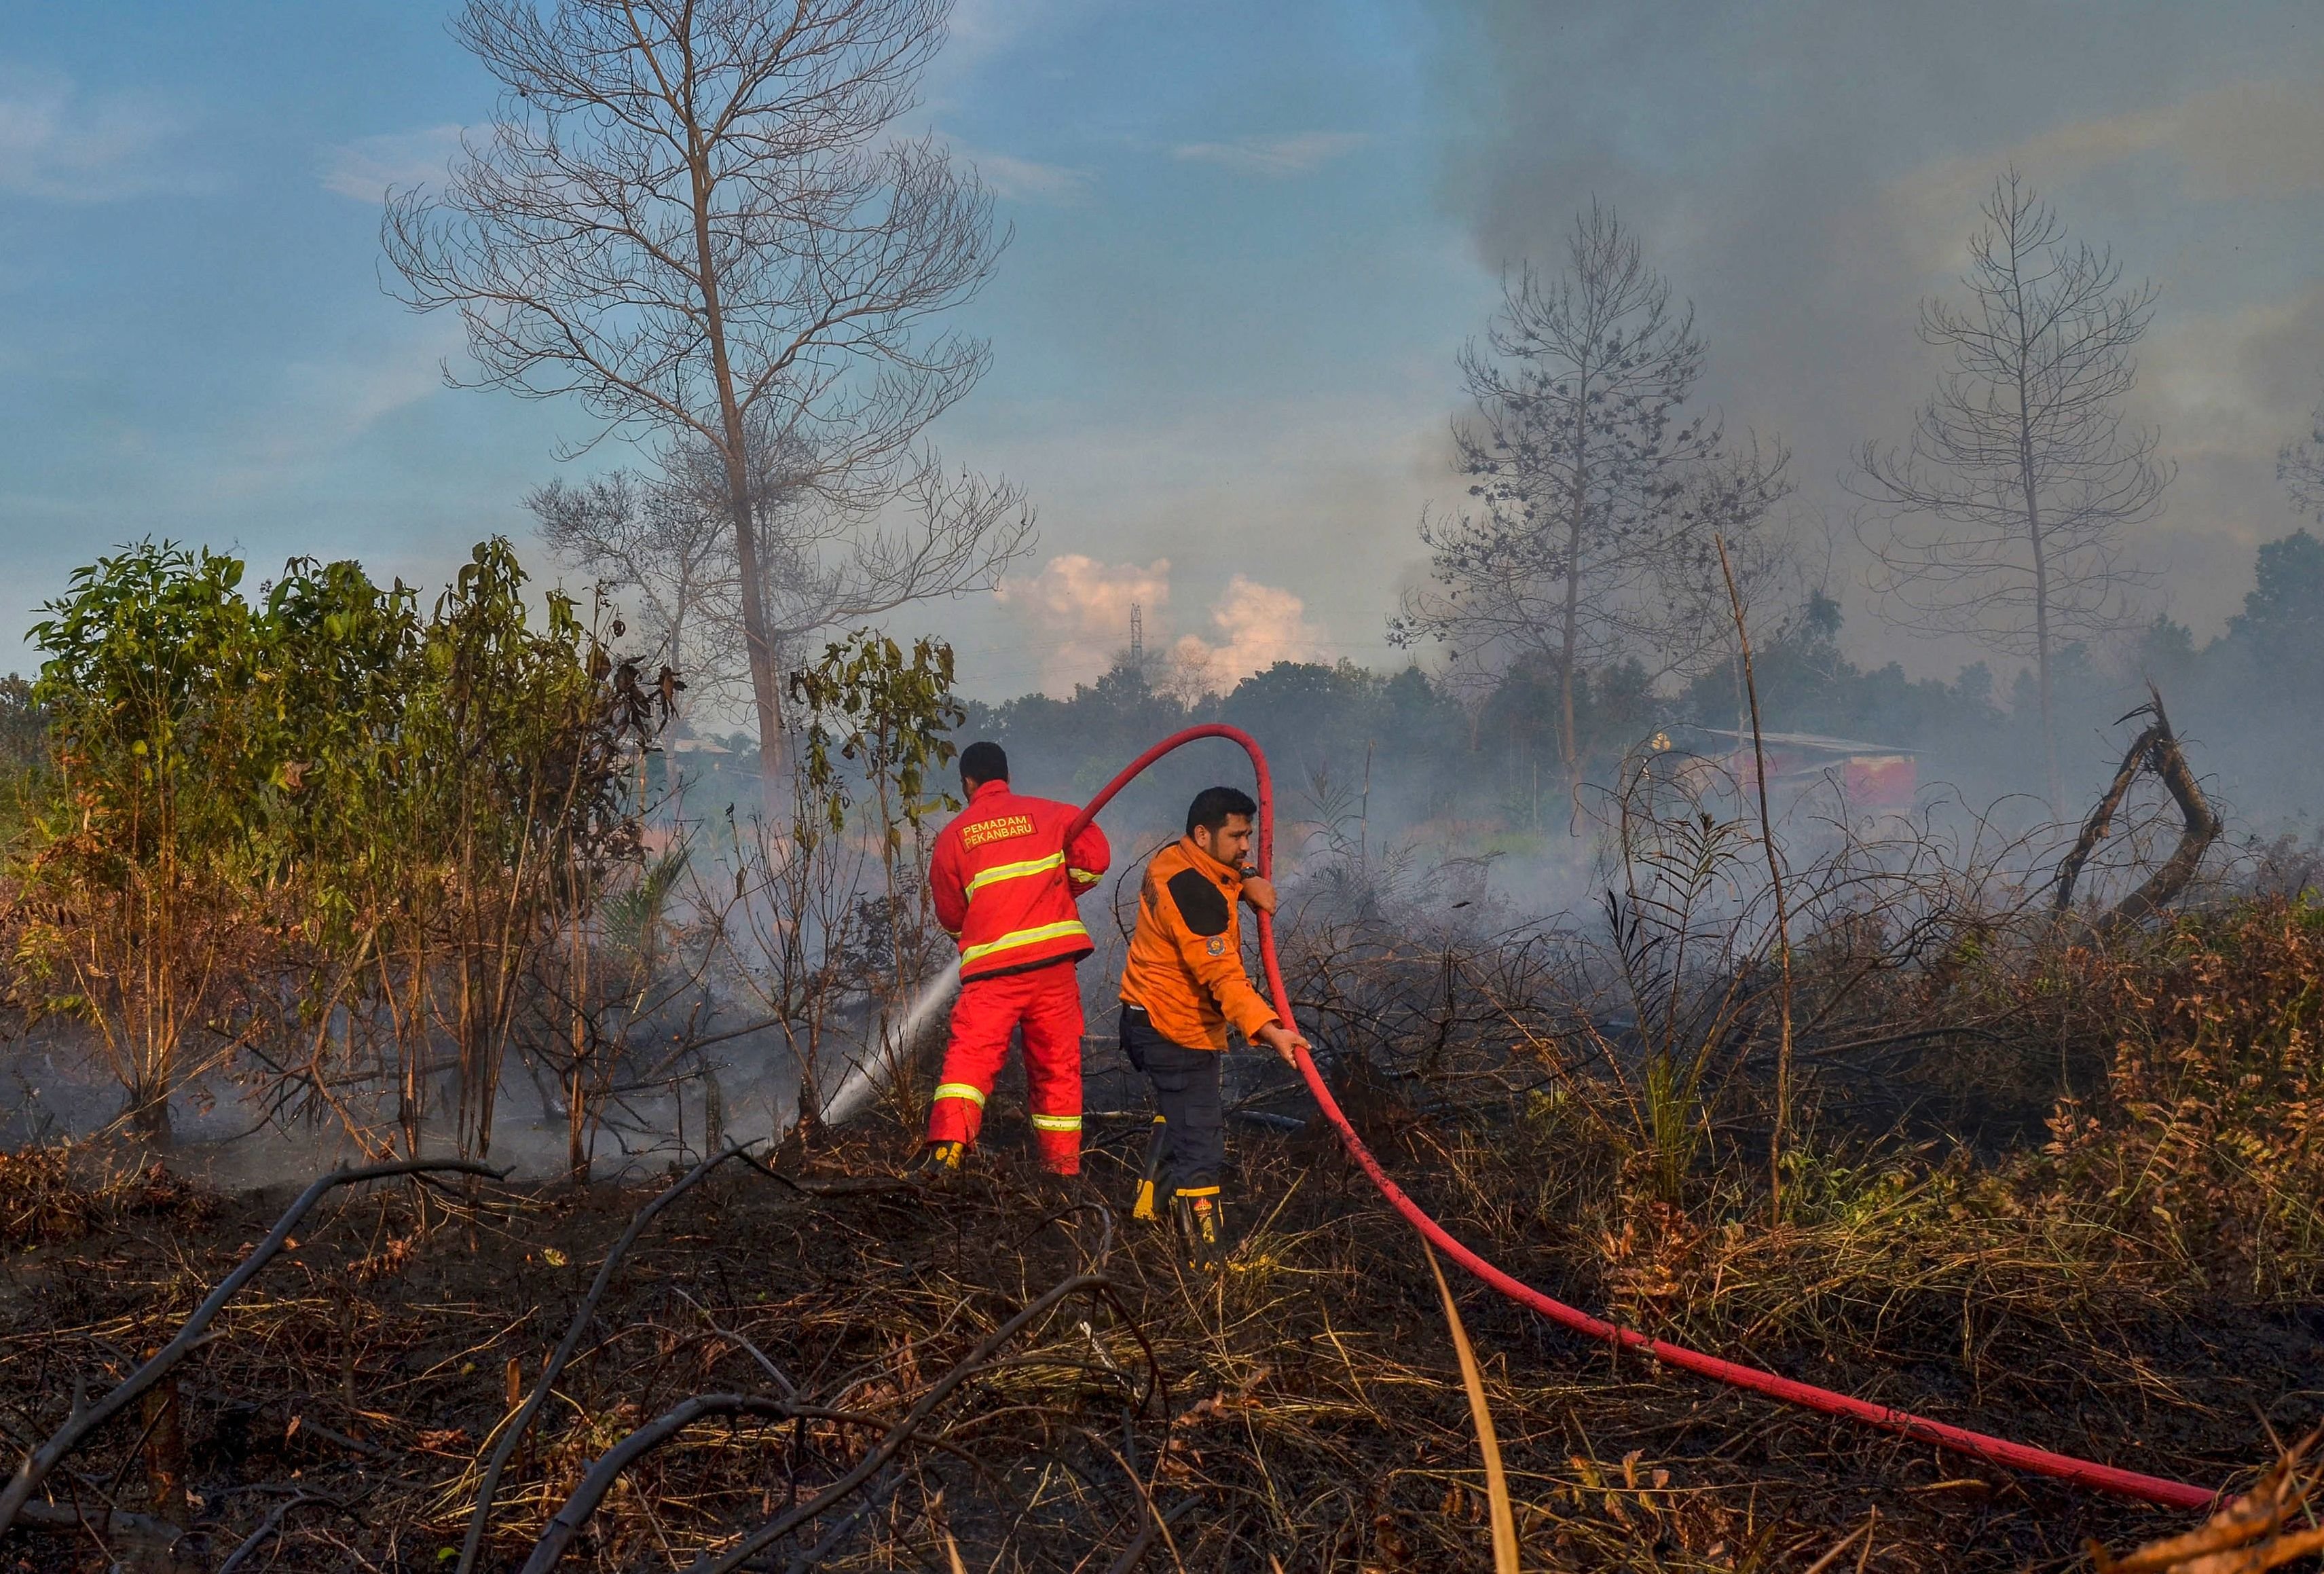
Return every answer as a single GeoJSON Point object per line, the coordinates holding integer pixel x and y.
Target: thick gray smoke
{"type": "Point", "coordinates": [1807, 173]}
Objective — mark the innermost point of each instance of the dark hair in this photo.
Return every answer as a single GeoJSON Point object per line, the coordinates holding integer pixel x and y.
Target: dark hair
{"type": "Point", "coordinates": [1213, 806]}
{"type": "Point", "coordinates": [983, 762]}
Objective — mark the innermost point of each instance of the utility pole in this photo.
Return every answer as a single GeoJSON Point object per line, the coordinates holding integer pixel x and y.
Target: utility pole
{"type": "Point", "coordinates": [1137, 637]}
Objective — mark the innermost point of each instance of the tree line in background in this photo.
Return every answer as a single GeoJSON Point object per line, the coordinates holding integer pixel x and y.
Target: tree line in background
{"type": "Point", "coordinates": [1497, 755]}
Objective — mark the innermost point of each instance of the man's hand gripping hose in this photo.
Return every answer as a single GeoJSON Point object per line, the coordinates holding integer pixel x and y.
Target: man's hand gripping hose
{"type": "Point", "coordinates": [1998, 1451]}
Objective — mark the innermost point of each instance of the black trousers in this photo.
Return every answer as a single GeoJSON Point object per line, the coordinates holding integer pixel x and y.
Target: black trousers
{"type": "Point", "coordinates": [1193, 1132]}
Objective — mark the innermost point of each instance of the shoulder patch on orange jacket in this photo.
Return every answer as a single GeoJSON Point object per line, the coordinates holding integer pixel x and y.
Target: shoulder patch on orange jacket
{"type": "Point", "coordinates": [1201, 903]}
{"type": "Point", "coordinates": [1190, 983]}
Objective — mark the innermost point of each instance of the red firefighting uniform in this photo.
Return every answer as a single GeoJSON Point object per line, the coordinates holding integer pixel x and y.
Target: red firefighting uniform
{"type": "Point", "coordinates": [1004, 886]}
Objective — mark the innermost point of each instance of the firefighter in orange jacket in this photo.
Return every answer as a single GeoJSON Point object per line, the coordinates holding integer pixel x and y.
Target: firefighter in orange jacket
{"type": "Point", "coordinates": [1004, 884]}
{"type": "Point", "coordinates": [1183, 987]}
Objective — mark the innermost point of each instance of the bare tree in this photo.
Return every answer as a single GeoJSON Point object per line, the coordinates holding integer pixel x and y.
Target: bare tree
{"type": "Point", "coordinates": [825, 564]}
{"type": "Point", "coordinates": [2299, 466]}
{"type": "Point", "coordinates": [689, 214]}
{"type": "Point", "coordinates": [2003, 517]}
{"type": "Point", "coordinates": [1595, 501]}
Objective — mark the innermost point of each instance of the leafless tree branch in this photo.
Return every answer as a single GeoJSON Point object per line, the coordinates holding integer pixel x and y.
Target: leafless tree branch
{"type": "Point", "coordinates": [1595, 498]}
{"type": "Point", "coordinates": [2002, 517]}
{"type": "Point", "coordinates": [689, 216]}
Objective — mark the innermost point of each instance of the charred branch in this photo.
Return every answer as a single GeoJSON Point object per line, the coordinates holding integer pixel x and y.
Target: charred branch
{"type": "Point", "coordinates": [480, 1519]}
{"type": "Point", "coordinates": [774, 1530]}
{"type": "Point", "coordinates": [76, 1430]}
{"type": "Point", "coordinates": [2155, 749]}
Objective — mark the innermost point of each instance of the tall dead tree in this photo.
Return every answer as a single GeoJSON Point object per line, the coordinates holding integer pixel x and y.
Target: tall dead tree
{"type": "Point", "coordinates": [690, 214]}
{"type": "Point", "coordinates": [1583, 544]}
{"type": "Point", "coordinates": [2002, 517]}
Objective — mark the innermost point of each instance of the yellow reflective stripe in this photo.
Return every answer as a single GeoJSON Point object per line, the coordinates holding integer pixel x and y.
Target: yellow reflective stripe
{"type": "Point", "coordinates": [960, 1090]}
{"type": "Point", "coordinates": [1025, 937]}
{"type": "Point", "coordinates": [1083, 877]}
{"type": "Point", "coordinates": [1056, 1123]}
{"type": "Point", "coordinates": [1198, 1191]}
{"type": "Point", "coordinates": [1000, 872]}
{"type": "Point", "coordinates": [1144, 1207]}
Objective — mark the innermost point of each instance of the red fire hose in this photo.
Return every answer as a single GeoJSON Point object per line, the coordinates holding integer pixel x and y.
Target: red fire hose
{"type": "Point", "coordinates": [1999, 1451]}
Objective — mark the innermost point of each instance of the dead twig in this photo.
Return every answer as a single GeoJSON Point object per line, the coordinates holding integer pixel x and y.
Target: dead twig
{"type": "Point", "coordinates": [1845, 1541]}
{"type": "Point", "coordinates": [1497, 1484]}
{"type": "Point", "coordinates": [1157, 1526]}
{"type": "Point", "coordinates": [567, 1521]}
{"type": "Point", "coordinates": [513, 1432]}
{"type": "Point", "coordinates": [766, 1535]}
{"type": "Point", "coordinates": [1782, 917]}
{"type": "Point", "coordinates": [577, 1509]}
{"type": "Point", "coordinates": [272, 1524]}
{"type": "Point", "coordinates": [845, 1527]}
{"type": "Point", "coordinates": [2263, 1529]}
{"type": "Point", "coordinates": [2155, 749]}
{"type": "Point", "coordinates": [70, 1436]}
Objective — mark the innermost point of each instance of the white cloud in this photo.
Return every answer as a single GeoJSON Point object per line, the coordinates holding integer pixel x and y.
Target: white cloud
{"type": "Point", "coordinates": [1258, 625]}
{"type": "Point", "coordinates": [366, 168]}
{"type": "Point", "coordinates": [1319, 494]}
{"type": "Point", "coordinates": [984, 29]}
{"type": "Point", "coordinates": [1024, 181]}
{"type": "Point", "coordinates": [1076, 612]}
{"type": "Point", "coordinates": [66, 145]}
{"type": "Point", "coordinates": [1276, 157]}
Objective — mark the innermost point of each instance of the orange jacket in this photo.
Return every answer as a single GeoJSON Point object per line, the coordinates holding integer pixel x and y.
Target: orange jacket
{"type": "Point", "coordinates": [1003, 882]}
{"type": "Point", "coordinates": [1186, 958]}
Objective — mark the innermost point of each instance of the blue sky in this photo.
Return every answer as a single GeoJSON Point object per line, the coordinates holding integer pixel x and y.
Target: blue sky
{"type": "Point", "coordinates": [1249, 240]}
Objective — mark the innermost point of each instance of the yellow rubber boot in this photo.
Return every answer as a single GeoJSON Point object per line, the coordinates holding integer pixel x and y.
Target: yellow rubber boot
{"type": "Point", "coordinates": [938, 1163]}
{"type": "Point", "coordinates": [1201, 1229]}
{"type": "Point", "coordinates": [1157, 1145]}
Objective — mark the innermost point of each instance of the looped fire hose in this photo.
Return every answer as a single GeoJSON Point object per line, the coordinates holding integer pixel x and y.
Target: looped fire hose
{"type": "Point", "coordinates": [1998, 1451]}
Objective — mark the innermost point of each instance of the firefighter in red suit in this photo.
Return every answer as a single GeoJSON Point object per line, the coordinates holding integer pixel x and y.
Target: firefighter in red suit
{"type": "Point", "coordinates": [1004, 886]}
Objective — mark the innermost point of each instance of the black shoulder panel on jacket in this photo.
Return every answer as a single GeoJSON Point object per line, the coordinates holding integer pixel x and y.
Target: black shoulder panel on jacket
{"type": "Point", "coordinates": [1202, 904]}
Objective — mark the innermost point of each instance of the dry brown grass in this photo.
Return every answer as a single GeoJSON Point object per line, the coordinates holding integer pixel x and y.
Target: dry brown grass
{"type": "Point", "coordinates": [2137, 1291]}
{"type": "Point", "coordinates": [61, 1193]}
{"type": "Point", "coordinates": [2267, 1527]}
{"type": "Point", "coordinates": [1311, 1413]}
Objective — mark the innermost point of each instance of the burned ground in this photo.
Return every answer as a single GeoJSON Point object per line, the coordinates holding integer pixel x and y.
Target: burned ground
{"type": "Point", "coordinates": [1302, 1412]}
